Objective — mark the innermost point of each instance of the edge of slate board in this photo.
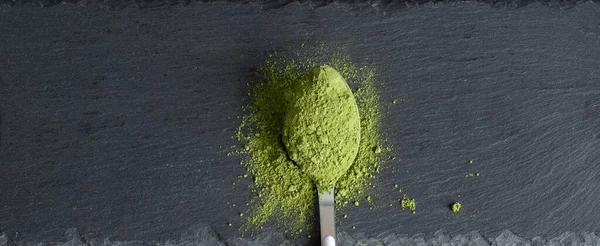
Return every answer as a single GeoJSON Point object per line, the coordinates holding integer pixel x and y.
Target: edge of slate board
{"type": "Point", "coordinates": [385, 5]}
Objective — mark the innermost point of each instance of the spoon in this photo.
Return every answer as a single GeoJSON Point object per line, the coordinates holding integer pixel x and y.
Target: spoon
{"type": "Point", "coordinates": [321, 149]}
{"type": "Point", "coordinates": [327, 217]}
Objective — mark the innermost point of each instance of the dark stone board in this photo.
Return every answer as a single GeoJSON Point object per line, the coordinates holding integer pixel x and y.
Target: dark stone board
{"type": "Point", "coordinates": [116, 122]}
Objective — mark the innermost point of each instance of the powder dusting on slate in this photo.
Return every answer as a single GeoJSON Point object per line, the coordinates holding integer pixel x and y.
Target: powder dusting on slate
{"type": "Point", "coordinates": [321, 127]}
{"type": "Point", "coordinates": [284, 193]}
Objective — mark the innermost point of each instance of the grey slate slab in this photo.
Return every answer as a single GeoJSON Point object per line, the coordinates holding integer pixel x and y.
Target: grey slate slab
{"type": "Point", "coordinates": [117, 122]}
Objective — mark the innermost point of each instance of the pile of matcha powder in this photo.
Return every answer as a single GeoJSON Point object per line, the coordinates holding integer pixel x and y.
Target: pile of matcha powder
{"type": "Point", "coordinates": [276, 139]}
{"type": "Point", "coordinates": [321, 129]}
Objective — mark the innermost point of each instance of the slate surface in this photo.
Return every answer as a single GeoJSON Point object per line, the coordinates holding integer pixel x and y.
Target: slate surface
{"type": "Point", "coordinates": [116, 122]}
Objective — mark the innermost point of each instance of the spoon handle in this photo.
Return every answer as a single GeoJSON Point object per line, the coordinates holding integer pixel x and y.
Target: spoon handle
{"type": "Point", "coordinates": [327, 218]}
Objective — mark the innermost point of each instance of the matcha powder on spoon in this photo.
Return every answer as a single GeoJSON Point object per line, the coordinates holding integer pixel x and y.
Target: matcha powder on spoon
{"type": "Point", "coordinates": [321, 128]}
{"type": "Point", "coordinates": [285, 190]}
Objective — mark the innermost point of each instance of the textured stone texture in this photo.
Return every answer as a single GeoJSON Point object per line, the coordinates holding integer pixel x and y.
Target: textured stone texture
{"type": "Point", "coordinates": [117, 122]}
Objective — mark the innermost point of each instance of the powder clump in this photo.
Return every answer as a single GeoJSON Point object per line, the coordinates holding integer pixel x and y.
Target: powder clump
{"type": "Point", "coordinates": [321, 127]}
{"type": "Point", "coordinates": [456, 207]}
{"type": "Point", "coordinates": [408, 203]}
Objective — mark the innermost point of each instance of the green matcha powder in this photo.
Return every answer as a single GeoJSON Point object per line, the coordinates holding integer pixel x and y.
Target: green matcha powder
{"type": "Point", "coordinates": [321, 130]}
{"type": "Point", "coordinates": [312, 114]}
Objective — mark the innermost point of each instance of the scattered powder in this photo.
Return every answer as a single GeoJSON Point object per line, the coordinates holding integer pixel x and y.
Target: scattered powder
{"type": "Point", "coordinates": [472, 174]}
{"type": "Point", "coordinates": [408, 203]}
{"type": "Point", "coordinates": [284, 193]}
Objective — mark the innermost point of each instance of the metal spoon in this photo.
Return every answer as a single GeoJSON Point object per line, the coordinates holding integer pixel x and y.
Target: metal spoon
{"type": "Point", "coordinates": [327, 217]}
